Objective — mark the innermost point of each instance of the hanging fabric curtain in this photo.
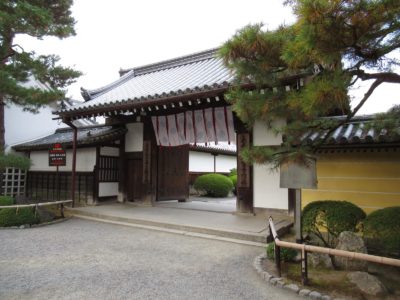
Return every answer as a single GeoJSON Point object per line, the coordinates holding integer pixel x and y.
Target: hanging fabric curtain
{"type": "Point", "coordinates": [198, 126]}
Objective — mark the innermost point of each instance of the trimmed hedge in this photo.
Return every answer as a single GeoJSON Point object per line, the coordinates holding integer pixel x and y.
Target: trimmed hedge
{"type": "Point", "coordinates": [213, 185]}
{"type": "Point", "coordinates": [327, 219]}
{"type": "Point", "coordinates": [382, 227]}
{"type": "Point", "coordinates": [9, 217]}
{"type": "Point", "coordinates": [287, 254]}
{"type": "Point", "coordinates": [6, 200]}
{"type": "Point", "coordinates": [233, 178]}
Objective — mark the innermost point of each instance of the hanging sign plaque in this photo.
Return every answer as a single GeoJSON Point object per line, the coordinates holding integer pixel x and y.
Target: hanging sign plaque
{"type": "Point", "coordinates": [57, 155]}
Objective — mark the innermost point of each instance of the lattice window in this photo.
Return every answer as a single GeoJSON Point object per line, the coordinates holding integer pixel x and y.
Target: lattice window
{"type": "Point", "coordinates": [13, 182]}
{"type": "Point", "coordinates": [108, 170]}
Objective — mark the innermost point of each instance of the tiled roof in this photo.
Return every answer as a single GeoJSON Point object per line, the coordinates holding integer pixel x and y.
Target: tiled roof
{"type": "Point", "coordinates": [221, 147]}
{"type": "Point", "coordinates": [196, 73]}
{"type": "Point", "coordinates": [356, 132]}
{"type": "Point", "coordinates": [89, 135]}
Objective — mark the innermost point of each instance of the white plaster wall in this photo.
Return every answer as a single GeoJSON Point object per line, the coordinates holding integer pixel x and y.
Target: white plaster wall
{"type": "Point", "coordinates": [109, 151]}
{"type": "Point", "coordinates": [225, 163]}
{"type": "Point", "coordinates": [134, 137]}
{"type": "Point", "coordinates": [267, 193]}
{"type": "Point", "coordinates": [201, 162]}
{"type": "Point", "coordinates": [107, 189]}
{"type": "Point", "coordinates": [266, 190]}
{"type": "Point", "coordinates": [85, 160]}
{"type": "Point", "coordinates": [263, 136]}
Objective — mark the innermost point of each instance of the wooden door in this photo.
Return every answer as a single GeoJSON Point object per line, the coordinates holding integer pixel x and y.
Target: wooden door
{"type": "Point", "coordinates": [173, 173]}
{"type": "Point", "coordinates": [134, 185]}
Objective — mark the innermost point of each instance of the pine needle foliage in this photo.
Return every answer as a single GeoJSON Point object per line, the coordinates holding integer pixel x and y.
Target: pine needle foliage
{"type": "Point", "coordinates": [332, 45]}
{"type": "Point", "coordinates": [38, 19]}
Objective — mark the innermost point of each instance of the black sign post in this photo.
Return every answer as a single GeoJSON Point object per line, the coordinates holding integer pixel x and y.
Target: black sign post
{"type": "Point", "coordinates": [57, 157]}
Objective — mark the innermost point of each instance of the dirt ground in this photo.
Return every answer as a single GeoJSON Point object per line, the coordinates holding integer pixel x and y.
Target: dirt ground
{"type": "Point", "coordinates": [335, 282]}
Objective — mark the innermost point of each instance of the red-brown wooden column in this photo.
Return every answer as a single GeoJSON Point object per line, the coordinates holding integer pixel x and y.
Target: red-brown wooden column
{"type": "Point", "coordinates": [244, 202]}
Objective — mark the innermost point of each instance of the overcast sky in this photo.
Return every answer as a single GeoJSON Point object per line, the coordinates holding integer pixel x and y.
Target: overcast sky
{"type": "Point", "coordinates": [122, 34]}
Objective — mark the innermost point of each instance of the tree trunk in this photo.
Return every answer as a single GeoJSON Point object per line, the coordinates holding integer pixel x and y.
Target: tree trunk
{"type": "Point", "coordinates": [2, 126]}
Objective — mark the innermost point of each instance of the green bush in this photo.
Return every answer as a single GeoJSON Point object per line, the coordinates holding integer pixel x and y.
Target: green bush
{"type": "Point", "coordinates": [232, 172]}
{"type": "Point", "coordinates": [233, 178]}
{"type": "Point", "coordinates": [9, 217]}
{"type": "Point", "coordinates": [327, 219]}
{"type": "Point", "coordinates": [382, 227]}
{"type": "Point", "coordinates": [287, 254]}
{"type": "Point", "coordinates": [213, 185]}
{"type": "Point", "coordinates": [6, 200]}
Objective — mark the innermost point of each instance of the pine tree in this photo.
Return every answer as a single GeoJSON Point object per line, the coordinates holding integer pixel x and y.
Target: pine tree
{"type": "Point", "coordinates": [332, 45]}
{"type": "Point", "coordinates": [36, 18]}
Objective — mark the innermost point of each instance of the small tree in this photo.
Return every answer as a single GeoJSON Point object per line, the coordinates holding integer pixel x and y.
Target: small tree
{"type": "Point", "coordinates": [36, 18]}
{"type": "Point", "coordinates": [332, 45]}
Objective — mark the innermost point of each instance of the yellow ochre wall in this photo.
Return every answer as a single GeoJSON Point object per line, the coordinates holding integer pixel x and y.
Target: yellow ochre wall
{"type": "Point", "coordinates": [368, 179]}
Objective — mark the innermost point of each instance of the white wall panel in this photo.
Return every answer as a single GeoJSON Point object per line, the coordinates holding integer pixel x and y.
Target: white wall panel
{"type": "Point", "coordinates": [109, 151]}
{"type": "Point", "coordinates": [134, 137]}
{"type": "Point", "coordinates": [107, 189]}
{"type": "Point", "coordinates": [225, 163]}
{"type": "Point", "coordinates": [266, 190]}
{"type": "Point", "coordinates": [85, 160]}
{"type": "Point", "coordinates": [201, 162]}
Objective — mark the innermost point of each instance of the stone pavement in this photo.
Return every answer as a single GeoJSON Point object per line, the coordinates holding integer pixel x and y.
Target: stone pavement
{"type": "Point", "coordinates": [225, 225]}
{"type": "Point", "coordinates": [80, 259]}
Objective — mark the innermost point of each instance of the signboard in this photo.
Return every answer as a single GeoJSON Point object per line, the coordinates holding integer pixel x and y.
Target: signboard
{"type": "Point", "coordinates": [57, 155]}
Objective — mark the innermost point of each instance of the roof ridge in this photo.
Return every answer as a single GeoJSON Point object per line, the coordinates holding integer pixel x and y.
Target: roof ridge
{"type": "Point", "coordinates": [174, 62]}
{"type": "Point", "coordinates": [127, 74]}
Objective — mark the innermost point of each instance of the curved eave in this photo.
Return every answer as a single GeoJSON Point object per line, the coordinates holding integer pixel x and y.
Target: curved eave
{"type": "Point", "coordinates": [130, 103]}
{"type": "Point", "coordinates": [86, 142]}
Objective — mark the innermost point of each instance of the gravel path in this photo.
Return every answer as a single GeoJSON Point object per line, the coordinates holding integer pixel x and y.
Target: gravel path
{"type": "Point", "coordinates": [80, 259]}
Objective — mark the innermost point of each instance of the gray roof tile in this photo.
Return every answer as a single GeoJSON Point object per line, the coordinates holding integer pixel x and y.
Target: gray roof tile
{"type": "Point", "coordinates": [89, 135]}
{"type": "Point", "coordinates": [355, 132]}
{"type": "Point", "coordinates": [198, 72]}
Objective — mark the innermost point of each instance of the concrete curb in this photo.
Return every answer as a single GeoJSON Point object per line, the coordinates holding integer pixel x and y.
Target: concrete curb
{"type": "Point", "coordinates": [27, 226]}
{"type": "Point", "coordinates": [280, 282]}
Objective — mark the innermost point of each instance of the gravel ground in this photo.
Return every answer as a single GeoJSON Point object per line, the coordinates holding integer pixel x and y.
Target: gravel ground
{"type": "Point", "coordinates": [80, 259]}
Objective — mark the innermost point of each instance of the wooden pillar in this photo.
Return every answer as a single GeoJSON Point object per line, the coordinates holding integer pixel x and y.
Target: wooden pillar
{"type": "Point", "coordinates": [122, 197]}
{"type": "Point", "coordinates": [149, 175]}
{"type": "Point", "coordinates": [244, 202]}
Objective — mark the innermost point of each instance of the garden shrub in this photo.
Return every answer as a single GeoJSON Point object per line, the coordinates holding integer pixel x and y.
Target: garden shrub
{"type": "Point", "coordinates": [6, 200]}
{"type": "Point", "coordinates": [232, 172]}
{"type": "Point", "coordinates": [326, 219]}
{"type": "Point", "coordinates": [287, 254]}
{"type": "Point", "coordinates": [382, 228]}
{"type": "Point", "coordinates": [233, 178]}
{"type": "Point", "coordinates": [9, 217]}
{"type": "Point", "coordinates": [213, 185]}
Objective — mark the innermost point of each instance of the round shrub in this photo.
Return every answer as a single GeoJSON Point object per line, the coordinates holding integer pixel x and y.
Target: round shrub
{"type": "Point", "coordinates": [9, 217]}
{"type": "Point", "coordinates": [6, 200]}
{"type": "Point", "coordinates": [287, 254]}
{"type": "Point", "coordinates": [326, 219]}
{"type": "Point", "coordinates": [233, 178]}
{"type": "Point", "coordinates": [213, 185]}
{"type": "Point", "coordinates": [382, 227]}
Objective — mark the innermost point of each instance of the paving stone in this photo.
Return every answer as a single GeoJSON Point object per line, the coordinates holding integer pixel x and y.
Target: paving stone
{"type": "Point", "coordinates": [280, 283]}
{"type": "Point", "coordinates": [292, 287]}
{"type": "Point", "coordinates": [304, 292]}
{"type": "Point", "coordinates": [315, 295]}
{"type": "Point", "coordinates": [326, 297]}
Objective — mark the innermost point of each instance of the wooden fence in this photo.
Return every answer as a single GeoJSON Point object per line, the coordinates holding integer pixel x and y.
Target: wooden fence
{"type": "Point", "coordinates": [48, 186]}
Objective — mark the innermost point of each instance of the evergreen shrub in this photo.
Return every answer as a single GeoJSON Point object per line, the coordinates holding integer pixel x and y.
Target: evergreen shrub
{"type": "Point", "coordinates": [326, 219]}
{"type": "Point", "coordinates": [213, 185]}
{"type": "Point", "coordinates": [10, 217]}
{"type": "Point", "coordinates": [382, 228]}
{"type": "Point", "coordinates": [233, 178]}
{"type": "Point", "coordinates": [6, 200]}
{"type": "Point", "coordinates": [287, 254]}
